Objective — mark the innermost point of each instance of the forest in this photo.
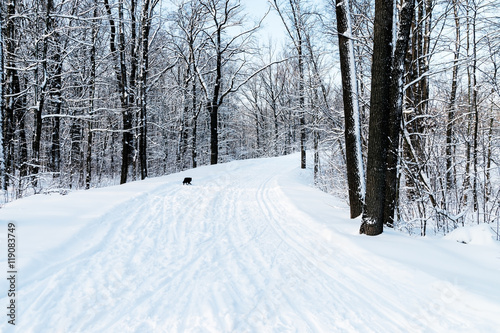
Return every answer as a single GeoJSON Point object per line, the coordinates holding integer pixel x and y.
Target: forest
{"type": "Point", "coordinates": [397, 102]}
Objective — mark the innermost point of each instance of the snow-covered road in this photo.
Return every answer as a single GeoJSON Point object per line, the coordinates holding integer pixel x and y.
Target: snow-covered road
{"type": "Point", "coordinates": [249, 247]}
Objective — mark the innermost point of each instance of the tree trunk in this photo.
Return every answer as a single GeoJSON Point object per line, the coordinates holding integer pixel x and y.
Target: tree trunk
{"type": "Point", "coordinates": [373, 215]}
{"type": "Point", "coordinates": [475, 111]}
{"type": "Point", "coordinates": [418, 92]}
{"type": "Point", "coordinates": [143, 124]}
{"type": "Point", "coordinates": [213, 105]}
{"type": "Point", "coordinates": [121, 80]}
{"type": "Point", "coordinates": [92, 91]}
{"type": "Point", "coordinates": [2, 106]}
{"type": "Point", "coordinates": [488, 188]}
{"type": "Point", "coordinates": [10, 93]}
{"type": "Point", "coordinates": [302, 115]}
{"type": "Point", "coordinates": [42, 93]}
{"type": "Point", "coordinates": [303, 158]}
{"type": "Point", "coordinates": [214, 140]}
{"type": "Point", "coordinates": [450, 146]}
{"type": "Point", "coordinates": [196, 112]}
{"type": "Point", "coordinates": [352, 131]}
{"type": "Point", "coordinates": [194, 154]}
{"type": "Point", "coordinates": [396, 110]}
{"type": "Point", "coordinates": [126, 97]}
{"type": "Point", "coordinates": [316, 155]}
{"type": "Point", "coordinates": [55, 107]}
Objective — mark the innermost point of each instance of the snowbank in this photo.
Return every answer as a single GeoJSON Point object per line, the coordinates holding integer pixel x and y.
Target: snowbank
{"type": "Point", "coordinates": [477, 235]}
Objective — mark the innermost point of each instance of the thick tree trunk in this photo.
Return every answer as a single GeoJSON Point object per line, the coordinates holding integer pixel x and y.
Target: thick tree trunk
{"type": "Point", "coordinates": [396, 110]}
{"type": "Point", "coordinates": [373, 216]}
{"type": "Point", "coordinates": [352, 131]}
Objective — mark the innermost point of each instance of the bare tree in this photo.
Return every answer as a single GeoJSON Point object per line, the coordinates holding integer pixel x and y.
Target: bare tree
{"type": "Point", "coordinates": [222, 71]}
{"type": "Point", "coordinates": [295, 25]}
{"type": "Point", "coordinates": [417, 93]}
{"type": "Point", "coordinates": [146, 17]}
{"type": "Point", "coordinates": [450, 147]}
{"type": "Point", "coordinates": [188, 47]}
{"type": "Point", "coordinates": [117, 48]}
{"type": "Point", "coordinates": [373, 215]}
{"type": "Point", "coordinates": [396, 110]}
{"type": "Point", "coordinates": [385, 116]}
{"type": "Point", "coordinates": [2, 156]}
{"type": "Point", "coordinates": [354, 157]}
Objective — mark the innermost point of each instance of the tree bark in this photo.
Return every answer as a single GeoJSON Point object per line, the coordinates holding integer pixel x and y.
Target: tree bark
{"type": "Point", "coordinates": [213, 105]}
{"type": "Point", "coordinates": [418, 93]}
{"type": "Point", "coordinates": [297, 17]}
{"type": "Point", "coordinates": [126, 97]}
{"type": "Point", "coordinates": [120, 68]}
{"type": "Point", "coordinates": [92, 91]}
{"type": "Point", "coordinates": [55, 107]}
{"type": "Point", "coordinates": [214, 135]}
{"type": "Point", "coordinates": [396, 110]}
{"type": "Point", "coordinates": [143, 124]}
{"type": "Point", "coordinates": [352, 131]}
{"type": "Point", "coordinates": [196, 112]}
{"type": "Point", "coordinates": [450, 146]}
{"type": "Point", "coordinates": [2, 106]}
{"type": "Point", "coordinates": [13, 106]}
{"type": "Point", "coordinates": [373, 215]}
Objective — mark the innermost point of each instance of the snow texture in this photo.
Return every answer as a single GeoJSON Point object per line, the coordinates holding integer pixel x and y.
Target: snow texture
{"type": "Point", "coordinates": [251, 246]}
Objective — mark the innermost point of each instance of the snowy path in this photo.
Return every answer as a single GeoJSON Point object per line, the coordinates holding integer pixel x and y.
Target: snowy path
{"type": "Point", "coordinates": [239, 251]}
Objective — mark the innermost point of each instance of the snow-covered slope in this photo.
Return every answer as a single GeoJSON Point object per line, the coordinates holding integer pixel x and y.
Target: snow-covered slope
{"type": "Point", "coordinates": [249, 247]}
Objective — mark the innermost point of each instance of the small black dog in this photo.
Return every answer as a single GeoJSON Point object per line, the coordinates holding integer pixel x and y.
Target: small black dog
{"type": "Point", "coordinates": [187, 181]}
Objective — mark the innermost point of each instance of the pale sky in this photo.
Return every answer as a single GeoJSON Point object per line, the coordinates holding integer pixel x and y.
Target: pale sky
{"type": "Point", "coordinates": [272, 25]}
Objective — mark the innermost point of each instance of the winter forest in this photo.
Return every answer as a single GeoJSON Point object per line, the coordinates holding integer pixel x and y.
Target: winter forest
{"type": "Point", "coordinates": [398, 103]}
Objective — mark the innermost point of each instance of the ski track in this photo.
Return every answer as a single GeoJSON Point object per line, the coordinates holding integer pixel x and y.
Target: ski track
{"type": "Point", "coordinates": [223, 255]}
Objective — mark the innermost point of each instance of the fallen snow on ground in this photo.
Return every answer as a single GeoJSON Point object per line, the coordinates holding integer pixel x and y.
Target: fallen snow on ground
{"type": "Point", "coordinates": [251, 246]}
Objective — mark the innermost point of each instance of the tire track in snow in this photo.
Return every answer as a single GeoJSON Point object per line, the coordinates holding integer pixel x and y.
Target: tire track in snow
{"type": "Point", "coordinates": [73, 274]}
{"type": "Point", "coordinates": [359, 276]}
{"type": "Point", "coordinates": [290, 267]}
{"type": "Point", "coordinates": [320, 276]}
{"type": "Point", "coordinates": [226, 299]}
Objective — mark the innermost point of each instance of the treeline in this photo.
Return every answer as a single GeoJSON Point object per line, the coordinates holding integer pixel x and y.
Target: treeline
{"type": "Point", "coordinates": [433, 129]}
{"type": "Point", "coordinates": [99, 92]}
